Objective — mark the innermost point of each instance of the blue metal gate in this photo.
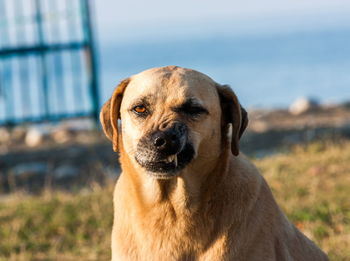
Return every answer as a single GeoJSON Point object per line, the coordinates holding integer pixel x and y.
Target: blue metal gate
{"type": "Point", "coordinates": [47, 61]}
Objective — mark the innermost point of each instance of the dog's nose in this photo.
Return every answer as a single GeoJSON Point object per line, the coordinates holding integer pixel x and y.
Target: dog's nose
{"type": "Point", "coordinates": [169, 141]}
{"type": "Point", "coordinates": [163, 140]}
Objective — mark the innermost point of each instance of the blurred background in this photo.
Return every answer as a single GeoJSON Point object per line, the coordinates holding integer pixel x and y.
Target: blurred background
{"type": "Point", "coordinates": [288, 62]}
{"type": "Point", "coordinates": [270, 52]}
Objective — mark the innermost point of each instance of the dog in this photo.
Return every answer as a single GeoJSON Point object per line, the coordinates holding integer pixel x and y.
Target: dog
{"type": "Point", "coordinates": [185, 191]}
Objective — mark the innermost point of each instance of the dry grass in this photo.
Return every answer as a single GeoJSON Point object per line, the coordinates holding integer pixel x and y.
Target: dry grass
{"type": "Point", "coordinates": [312, 185]}
{"type": "Point", "coordinates": [57, 226]}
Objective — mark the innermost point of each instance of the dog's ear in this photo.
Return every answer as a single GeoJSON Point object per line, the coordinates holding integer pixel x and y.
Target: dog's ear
{"type": "Point", "coordinates": [110, 114]}
{"type": "Point", "coordinates": [232, 113]}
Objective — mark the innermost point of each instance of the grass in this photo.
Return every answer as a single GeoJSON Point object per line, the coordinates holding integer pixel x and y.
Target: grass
{"type": "Point", "coordinates": [311, 183]}
{"type": "Point", "coordinates": [57, 226]}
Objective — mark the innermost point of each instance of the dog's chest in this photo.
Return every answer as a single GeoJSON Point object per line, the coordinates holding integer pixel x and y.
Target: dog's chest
{"type": "Point", "coordinates": [162, 237]}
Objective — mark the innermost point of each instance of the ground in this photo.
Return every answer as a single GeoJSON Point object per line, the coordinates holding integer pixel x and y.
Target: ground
{"type": "Point", "coordinates": [311, 183]}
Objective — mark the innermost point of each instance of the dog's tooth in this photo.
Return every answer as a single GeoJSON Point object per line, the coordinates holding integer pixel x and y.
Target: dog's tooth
{"type": "Point", "coordinates": [169, 159]}
{"type": "Point", "coordinates": [175, 160]}
{"type": "Point", "coordinates": [172, 158]}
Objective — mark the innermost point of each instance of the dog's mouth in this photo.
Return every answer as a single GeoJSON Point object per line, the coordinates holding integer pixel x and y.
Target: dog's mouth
{"type": "Point", "coordinates": [165, 166]}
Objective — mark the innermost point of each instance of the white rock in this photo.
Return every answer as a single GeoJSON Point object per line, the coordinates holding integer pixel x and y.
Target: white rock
{"type": "Point", "coordinates": [302, 105]}
{"type": "Point", "coordinates": [35, 134]}
{"type": "Point", "coordinates": [34, 137]}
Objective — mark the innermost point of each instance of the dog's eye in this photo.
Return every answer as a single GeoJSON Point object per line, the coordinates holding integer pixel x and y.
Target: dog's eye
{"type": "Point", "coordinates": [140, 109]}
{"type": "Point", "coordinates": [194, 110]}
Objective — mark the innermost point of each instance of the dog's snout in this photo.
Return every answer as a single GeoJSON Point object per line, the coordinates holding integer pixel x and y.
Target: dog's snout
{"type": "Point", "coordinates": [170, 140]}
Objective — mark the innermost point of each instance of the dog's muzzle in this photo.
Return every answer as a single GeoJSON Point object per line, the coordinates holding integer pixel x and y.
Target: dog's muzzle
{"type": "Point", "coordinates": [165, 152]}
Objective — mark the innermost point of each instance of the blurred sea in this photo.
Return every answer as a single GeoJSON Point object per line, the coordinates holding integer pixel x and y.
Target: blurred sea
{"type": "Point", "coordinates": [265, 70]}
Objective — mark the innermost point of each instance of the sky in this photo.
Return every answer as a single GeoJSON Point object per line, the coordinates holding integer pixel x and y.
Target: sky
{"type": "Point", "coordinates": [125, 21]}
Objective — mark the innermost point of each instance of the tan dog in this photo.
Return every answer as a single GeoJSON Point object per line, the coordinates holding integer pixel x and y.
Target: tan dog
{"type": "Point", "coordinates": [185, 193]}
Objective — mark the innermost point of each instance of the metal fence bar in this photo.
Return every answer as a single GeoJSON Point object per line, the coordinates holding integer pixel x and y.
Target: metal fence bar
{"type": "Point", "coordinates": [42, 61]}
{"type": "Point", "coordinates": [42, 48]}
{"type": "Point", "coordinates": [23, 62]}
{"type": "Point", "coordinates": [75, 61]}
{"type": "Point", "coordinates": [7, 64]}
{"type": "Point", "coordinates": [5, 35]}
{"type": "Point", "coordinates": [2, 37]}
{"type": "Point", "coordinates": [58, 65]}
{"type": "Point", "coordinates": [91, 56]}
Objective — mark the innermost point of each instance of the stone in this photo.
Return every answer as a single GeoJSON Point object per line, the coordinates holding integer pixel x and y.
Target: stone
{"type": "Point", "coordinates": [18, 133]}
{"type": "Point", "coordinates": [303, 105]}
{"type": "Point", "coordinates": [36, 134]}
{"type": "Point", "coordinates": [34, 137]}
{"type": "Point", "coordinates": [5, 136]}
{"type": "Point", "coordinates": [61, 135]}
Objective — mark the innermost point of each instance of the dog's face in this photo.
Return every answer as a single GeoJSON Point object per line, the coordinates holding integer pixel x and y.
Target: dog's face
{"type": "Point", "coordinates": [166, 115]}
{"type": "Point", "coordinates": [171, 119]}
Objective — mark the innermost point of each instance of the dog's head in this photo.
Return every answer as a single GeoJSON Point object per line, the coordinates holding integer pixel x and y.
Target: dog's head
{"type": "Point", "coordinates": [171, 118]}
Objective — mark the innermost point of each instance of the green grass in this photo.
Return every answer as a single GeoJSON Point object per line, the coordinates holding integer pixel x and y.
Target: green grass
{"type": "Point", "coordinates": [311, 183]}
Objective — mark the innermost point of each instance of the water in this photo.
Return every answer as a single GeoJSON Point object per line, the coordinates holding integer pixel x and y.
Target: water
{"type": "Point", "coordinates": [266, 70]}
